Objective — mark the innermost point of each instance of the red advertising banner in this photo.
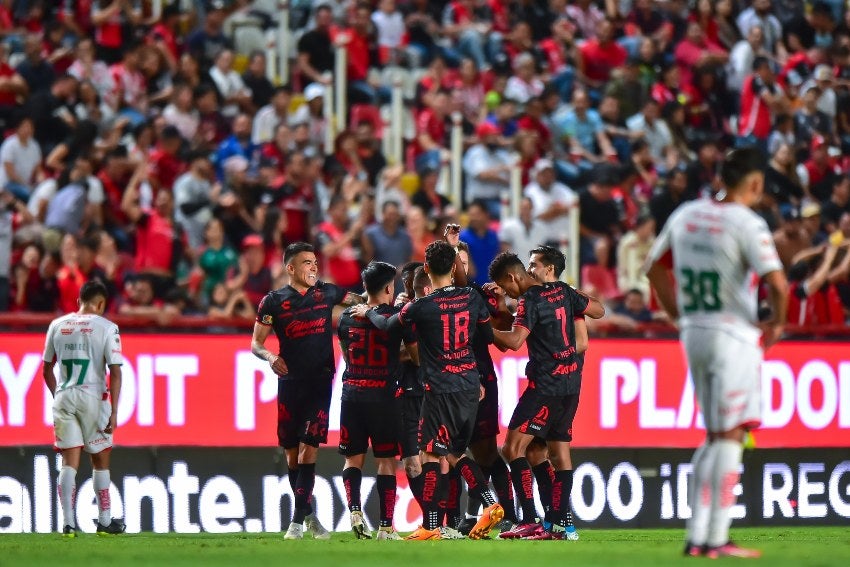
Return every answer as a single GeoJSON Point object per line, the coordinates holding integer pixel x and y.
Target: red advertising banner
{"type": "Point", "coordinates": [209, 390]}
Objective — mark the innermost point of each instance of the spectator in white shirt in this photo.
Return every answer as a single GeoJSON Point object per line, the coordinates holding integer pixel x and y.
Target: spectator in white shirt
{"type": "Point", "coordinates": [655, 131]}
{"type": "Point", "coordinates": [523, 85]}
{"type": "Point", "coordinates": [390, 25]}
{"type": "Point", "coordinates": [632, 252]}
{"type": "Point", "coordinates": [521, 235]}
{"type": "Point", "coordinates": [229, 84]}
{"type": "Point", "coordinates": [742, 56]}
{"type": "Point", "coordinates": [20, 161]}
{"type": "Point", "coordinates": [759, 14]}
{"type": "Point", "coordinates": [274, 113]}
{"type": "Point", "coordinates": [181, 112]}
{"type": "Point", "coordinates": [551, 201]}
{"type": "Point", "coordinates": [487, 167]}
{"type": "Point", "coordinates": [194, 198]}
{"type": "Point", "coordinates": [311, 114]}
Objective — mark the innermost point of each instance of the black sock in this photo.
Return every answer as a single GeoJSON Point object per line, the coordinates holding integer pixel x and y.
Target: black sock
{"type": "Point", "coordinates": [351, 479]}
{"type": "Point", "coordinates": [453, 499]}
{"type": "Point", "coordinates": [543, 474]}
{"type": "Point", "coordinates": [293, 483]}
{"type": "Point", "coordinates": [523, 481]}
{"type": "Point", "coordinates": [442, 497]}
{"type": "Point", "coordinates": [566, 505]}
{"type": "Point", "coordinates": [431, 489]}
{"type": "Point", "coordinates": [303, 491]}
{"type": "Point", "coordinates": [471, 473]}
{"type": "Point", "coordinates": [386, 498]}
{"type": "Point", "coordinates": [504, 491]}
{"type": "Point", "coordinates": [560, 498]}
{"type": "Point", "coordinates": [415, 483]}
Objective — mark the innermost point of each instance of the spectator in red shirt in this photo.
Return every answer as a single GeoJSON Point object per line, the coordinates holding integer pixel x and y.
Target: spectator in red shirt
{"type": "Point", "coordinates": [108, 18]}
{"type": "Point", "coordinates": [164, 35]}
{"type": "Point", "coordinates": [429, 146]}
{"type": "Point", "coordinates": [336, 239]}
{"type": "Point", "coordinates": [558, 52]}
{"type": "Point", "coordinates": [166, 165]}
{"type": "Point", "coordinates": [761, 99]}
{"type": "Point", "coordinates": [69, 277]}
{"type": "Point", "coordinates": [598, 57]}
{"type": "Point", "coordinates": [697, 51]}
{"type": "Point", "coordinates": [358, 40]}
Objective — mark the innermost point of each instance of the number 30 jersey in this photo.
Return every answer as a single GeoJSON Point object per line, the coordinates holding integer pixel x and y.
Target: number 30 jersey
{"type": "Point", "coordinates": [718, 251]}
{"type": "Point", "coordinates": [83, 346]}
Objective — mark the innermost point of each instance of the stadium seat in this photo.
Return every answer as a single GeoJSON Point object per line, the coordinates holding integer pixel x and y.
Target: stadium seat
{"type": "Point", "coordinates": [603, 279]}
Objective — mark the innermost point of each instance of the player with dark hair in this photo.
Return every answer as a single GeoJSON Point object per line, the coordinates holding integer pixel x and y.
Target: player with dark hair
{"type": "Point", "coordinates": [545, 316]}
{"type": "Point", "coordinates": [370, 409]}
{"type": "Point", "coordinates": [716, 250]}
{"type": "Point", "coordinates": [84, 344]}
{"type": "Point", "coordinates": [483, 445]}
{"type": "Point", "coordinates": [301, 316]}
{"type": "Point", "coordinates": [447, 322]}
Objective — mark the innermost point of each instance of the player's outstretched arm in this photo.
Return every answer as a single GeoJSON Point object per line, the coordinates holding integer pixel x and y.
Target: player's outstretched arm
{"type": "Point", "coordinates": [114, 395]}
{"type": "Point", "coordinates": [777, 285]}
{"type": "Point", "coordinates": [510, 340]}
{"type": "Point", "coordinates": [350, 299]}
{"type": "Point", "coordinates": [659, 278]}
{"type": "Point", "coordinates": [258, 341]}
{"type": "Point", "coordinates": [595, 308]}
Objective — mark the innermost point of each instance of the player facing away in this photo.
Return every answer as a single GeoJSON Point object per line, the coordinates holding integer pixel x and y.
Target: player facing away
{"type": "Point", "coordinates": [483, 444]}
{"type": "Point", "coordinates": [447, 321]}
{"type": "Point", "coordinates": [545, 319]}
{"type": "Point", "coordinates": [300, 314]}
{"type": "Point", "coordinates": [370, 409]}
{"type": "Point", "coordinates": [717, 250]}
{"type": "Point", "coordinates": [546, 264]}
{"type": "Point", "coordinates": [84, 344]}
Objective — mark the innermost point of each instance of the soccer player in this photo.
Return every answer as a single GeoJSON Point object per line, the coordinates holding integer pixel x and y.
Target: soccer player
{"type": "Point", "coordinates": [84, 344]}
{"type": "Point", "coordinates": [715, 250]}
{"type": "Point", "coordinates": [447, 322]}
{"type": "Point", "coordinates": [483, 444]}
{"type": "Point", "coordinates": [300, 314]}
{"type": "Point", "coordinates": [546, 264]}
{"type": "Point", "coordinates": [370, 409]}
{"type": "Point", "coordinates": [546, 318]}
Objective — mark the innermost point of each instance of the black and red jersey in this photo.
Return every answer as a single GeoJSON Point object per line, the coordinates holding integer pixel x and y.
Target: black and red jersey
{"type": "Point", "coordinates": [448, 322]}
{"type": "Point", "coordinates": [372, 357]}
{"type": "Point", "coordinates": [548, 312]}
{"type": "Point", "coordinates": [481, 346]}
{"type": "Point", "coordinates": [303, 325]}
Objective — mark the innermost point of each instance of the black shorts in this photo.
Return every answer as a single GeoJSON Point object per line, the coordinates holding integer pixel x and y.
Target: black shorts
{"type": "Point", "coordinates": [548, 417]}
{"type": "Point", "coordinates": [411, 414]}
{"type": "Point", "coordinates": [360, 422]}
{"type": "Point", "coordinates": [487, 419]}
{"type": "Point", "coordinates": [447, 422]}
{"type": "Point", "coordinates": [302, 413]}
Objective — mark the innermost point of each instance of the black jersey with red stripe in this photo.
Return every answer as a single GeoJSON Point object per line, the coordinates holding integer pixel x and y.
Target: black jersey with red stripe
{"type": "Point", "coordinates": [548, 311]}
{"type": "Point", "coordinates": [481, 346]}
{"type": "Point", "coordinates": [303, 325]}
{"type": "Point", "coordinates": [372, 368]}
{"type": "Point", "coordinates": [448, 322]}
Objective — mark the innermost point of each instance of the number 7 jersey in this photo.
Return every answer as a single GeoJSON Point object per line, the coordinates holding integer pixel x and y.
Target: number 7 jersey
{"type": "Point", "coordinates": [718, 252]}
{"type": "Point", "coordinates": [83, 345]}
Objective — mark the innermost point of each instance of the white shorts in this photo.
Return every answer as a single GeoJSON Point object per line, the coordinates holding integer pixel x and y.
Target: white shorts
{"type": "Point", "coordinates": [79, 418]}
{"type": "Point", "coordinates": [726, 370]}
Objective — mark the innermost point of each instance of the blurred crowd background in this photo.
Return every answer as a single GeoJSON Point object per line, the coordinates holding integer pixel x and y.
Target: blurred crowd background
{"type": "Point", "coordinates": [150, 146]}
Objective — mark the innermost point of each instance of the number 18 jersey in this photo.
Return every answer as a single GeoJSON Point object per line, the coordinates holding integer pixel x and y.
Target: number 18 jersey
{"type": "Point", "coordinates": [83, 345]}
{"type": "Point", "coordinates": [717, 252]}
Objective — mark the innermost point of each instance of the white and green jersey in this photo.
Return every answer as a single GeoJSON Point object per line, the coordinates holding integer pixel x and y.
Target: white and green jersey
{"type": "Point", "coordinates": [83, 346]}
{"type": "Point", "coordinates": [719, 251]}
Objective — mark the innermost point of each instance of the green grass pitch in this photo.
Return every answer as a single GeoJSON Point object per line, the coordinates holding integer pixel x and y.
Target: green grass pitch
{"type": "Point", "coordinates": [794, 547]}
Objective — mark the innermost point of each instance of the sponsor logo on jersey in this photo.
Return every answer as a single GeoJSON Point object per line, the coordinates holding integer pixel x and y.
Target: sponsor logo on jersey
{"type": "Point", "coordinates": [267, 320]}
{"type": "Point", "coordinates": [318, 296]}
{"type": "Point", "coordinates": [86, 331]}
{"type": "Point", "coordinates": [299, 329]}
{"type": "Point", "coordinates": [67, 331]}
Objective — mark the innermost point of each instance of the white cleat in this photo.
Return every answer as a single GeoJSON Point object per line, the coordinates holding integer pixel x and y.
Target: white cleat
{"type": "Point", "coordinates": [358, 526]}
{"type": "Point", "coordinates": [387, 534]}
{"type": "Point", "coordinates": [450, 533]}
{"type": "Point", "coordinates": [571, 533]}
{"type": "Point", "coordinates": [314, 528]}
{"type": "Point", "coordinates": [295, 531]}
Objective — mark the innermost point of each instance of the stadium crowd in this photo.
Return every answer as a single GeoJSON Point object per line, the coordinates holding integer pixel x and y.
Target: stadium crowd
{"type": "Point", "coordinates": [154, 152]}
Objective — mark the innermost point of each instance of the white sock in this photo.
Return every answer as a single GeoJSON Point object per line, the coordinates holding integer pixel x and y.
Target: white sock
{"type": "Point", "coordinates": [699, 494]}
{"type": "Point", "coordinates": [101, 492]}
{"type": "Point", "coordinates": [67, 487]}
{"type": "Point", "coordinates": [724, 477]}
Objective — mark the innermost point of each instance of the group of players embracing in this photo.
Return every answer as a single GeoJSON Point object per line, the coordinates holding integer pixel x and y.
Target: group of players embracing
{"type": "Point", "coordinates": [420, 383]}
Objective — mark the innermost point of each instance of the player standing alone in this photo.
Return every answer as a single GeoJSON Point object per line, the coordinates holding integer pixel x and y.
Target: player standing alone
{"type": "Point", "coordinates": [370, 409]}
{"type": "Point", "coordinates": [715, 250]}
{"type": "Point", "coordinates": [84, 409]}
{"type": "Point", "coordinates": [546, 317]}
{"type": "Point", "coordinates": [301, 315]}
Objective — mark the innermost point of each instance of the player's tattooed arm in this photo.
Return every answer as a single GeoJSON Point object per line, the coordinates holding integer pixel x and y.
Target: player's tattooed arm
{"type": "Point", "coordinates": [510, 340]}
{"type": "Point", "coordinates": [352, 299]}
{"type": "Point", "coordinates": [258, 341]}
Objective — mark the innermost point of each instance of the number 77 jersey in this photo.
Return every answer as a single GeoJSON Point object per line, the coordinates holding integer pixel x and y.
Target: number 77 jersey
{"type": "Point", "coordinates": [718, 252]}
{"type": "Point", "coordinates": [83, 345]}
